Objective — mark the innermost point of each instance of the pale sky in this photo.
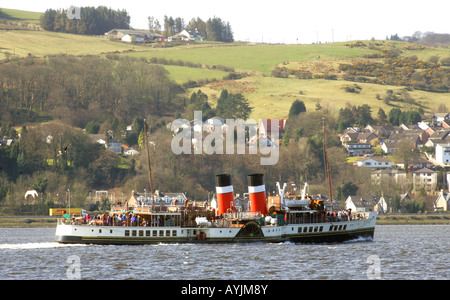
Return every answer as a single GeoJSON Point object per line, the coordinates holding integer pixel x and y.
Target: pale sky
{"type": "Point", "coordinates": [283, 21]}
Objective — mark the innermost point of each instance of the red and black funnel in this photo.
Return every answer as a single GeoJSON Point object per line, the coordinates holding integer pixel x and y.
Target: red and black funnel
{"type": "Point", "coordinates": [257, 193]}
{"type": "Point", "coordinates": [225, 195]}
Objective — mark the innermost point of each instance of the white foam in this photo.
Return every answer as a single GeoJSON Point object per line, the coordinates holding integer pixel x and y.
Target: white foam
{"type": "Point", "coordinates": [37, 245]}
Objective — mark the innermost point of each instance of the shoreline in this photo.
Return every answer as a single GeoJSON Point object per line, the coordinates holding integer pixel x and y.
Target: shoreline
{"type": "Point", "coordinates": [384, 219]}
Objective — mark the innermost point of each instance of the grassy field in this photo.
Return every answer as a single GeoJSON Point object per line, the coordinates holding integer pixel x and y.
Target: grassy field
{"type": "Point", "coordinates": [413, 219]}
{"type": "Point", "coordinates": [27, 222]}
{"type": "Point", "coordinates": [271, 97]}
{"type": "Point", "coordinates": [21, 15]}
{"type": "Point", "coordinates": [22, 43]}
{"type": "Point", "coordinates": [256, 58]}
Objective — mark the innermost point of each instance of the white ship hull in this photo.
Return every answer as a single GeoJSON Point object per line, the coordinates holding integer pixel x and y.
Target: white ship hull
{"type": "Point", "coordinates": [250, 232]}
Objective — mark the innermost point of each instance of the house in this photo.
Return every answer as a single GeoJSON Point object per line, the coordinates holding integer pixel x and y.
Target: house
{"type": "Point", "coordinates": [438, 137]}
{"type": "Point", "coordinates": [115, 146]}
{"type": "Point", "coordinates": [409, 127]}
{"type": "Point", "coordinates": [261, 141]}
{"type": "Point", "coordinates": [187, 35]}
{"type": "Point", "coordinates": [374, 162]}
{"type": "Point", "coordinates": [134, 38]}
{"type": "Point", "coordinates": [446, 124]}
{"type": "Point", "coordinates": [119, 34]}
{"type": "Point", "coordinates": [383, 131]}
{"type": "Point", "coordinates": [381, 206]}
{"type": "Point", "coordinates": [366, 137]}
{"type": "Point", "coordinates": [384, 176]}
{"type": "Point", "coordinates": [358, 149]}
{"type": "Point", "coordinates": [439, 117]}
{"type": "Point", "coordinates": [137, 199]}
{"type": "Point", "coordinates": [415, 163]}
{"type": "Point", "coordinates": [131, 151]}
{"type": "Point", "coordinates": [415, 137]}
{"type": "Point", "coordinates": [442, 153]}
{"type": "Point", "coordinates": [31, 196]}
{"type": "Point", "coordinates": [97, 138]}
{"type": "Point", "coordinates": [442, 203]}
{"type": "Point", "coordinates": [388, 147]}
{"type": "Point", "coordinates": [267, 127]}
{"type": "Point", "coordinates": [6, 142]}
{"type": "Point", "coordinates": [359, 203]}
{"type": "Point", "coordinates": [349, 136]}
{"type": "Point", "coordinates": [425, 179]}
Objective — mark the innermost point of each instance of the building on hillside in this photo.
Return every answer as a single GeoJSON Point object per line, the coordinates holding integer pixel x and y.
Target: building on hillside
{"type": "Point", "coordinates": [382, 206]}
{"type": "Point", "coordinates": [187, 35]}
{"type": "Point", "coordinates": [119, 34]}
{"type": "Point", "coordinates": [426, 179]}
{"type": "Point", "coordinates": [442, 203]}
{"type": "Point", "coordinates": [388, 176]}
{"type": "Point", "coordinates": [359, 203]}
{"type": "Point", "coordinates": [268, 127]}
{"type": "Point", "coordinates": [115, 146]}
{"type": "Point", "coordinates": [374, 162]}
{"type": "Point", "coordinates": [133, 38]}
{"type": "Point", "coordinates": [442, 153]}
{"type": "Point", "coordinates": [358, 149]}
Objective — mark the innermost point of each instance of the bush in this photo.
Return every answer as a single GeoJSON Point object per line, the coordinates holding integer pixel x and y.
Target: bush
{"type": "Point", "coordinates": [352, 88]}
{"type": "Point", "coordinates": [446, 61]}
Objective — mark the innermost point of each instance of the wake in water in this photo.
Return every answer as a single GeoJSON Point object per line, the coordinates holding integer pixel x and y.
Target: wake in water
{"type": "Point", "coordinates": [39, 245]}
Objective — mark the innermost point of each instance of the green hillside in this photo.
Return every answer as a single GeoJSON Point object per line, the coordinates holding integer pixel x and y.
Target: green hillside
{"type": "Point", "coordinates": [271, 97]}
{"type": "Point", "coordinates": [20, 15]}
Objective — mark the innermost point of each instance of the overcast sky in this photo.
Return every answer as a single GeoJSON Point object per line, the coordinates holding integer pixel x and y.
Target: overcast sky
{"type": "Point", "coordinates": [283, 21]}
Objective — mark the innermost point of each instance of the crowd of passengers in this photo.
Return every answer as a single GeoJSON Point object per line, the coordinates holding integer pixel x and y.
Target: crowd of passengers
{"type": "Point", "coordinates": [341, 215]}
{"type": "Point", "coordinates": [123, 219]}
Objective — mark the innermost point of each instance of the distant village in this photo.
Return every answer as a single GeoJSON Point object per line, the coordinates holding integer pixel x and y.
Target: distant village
{"type": "Point", "coordinates": [370, 147]}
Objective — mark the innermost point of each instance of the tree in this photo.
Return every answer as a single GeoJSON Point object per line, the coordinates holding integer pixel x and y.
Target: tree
{"type": "Point", "coordinates": [363, 115]}
{"type": "Point", "coordinates": [233, 106]}
{"type": "Point", "coordinates": [346, 189]}
{"type": "Point", "coordinates": [217, 30]}
{"type": "Point", "coordinates": [381, 117]}
{"type": "Point", "coordinates": [92, 21]}
{"type": "Point", "coordinates": [407, 152]}
{"type": "Point", "coordinates": [297, 107]}
{"type": "Point", "coordinates": [92, 127]}
{"type": "Point", "coordinates": [394, 116]}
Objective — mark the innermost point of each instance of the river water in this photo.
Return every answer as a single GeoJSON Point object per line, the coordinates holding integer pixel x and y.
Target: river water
{"type": "Point", "coordinates": [396, 252]}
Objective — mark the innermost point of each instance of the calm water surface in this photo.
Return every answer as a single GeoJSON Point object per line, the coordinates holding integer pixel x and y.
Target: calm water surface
{"type": "Point", "coordinates": [396, 252]}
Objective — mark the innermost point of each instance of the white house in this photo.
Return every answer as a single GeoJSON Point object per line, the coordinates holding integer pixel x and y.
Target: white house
{"type": "Point", "coordinates": [374, 162]}
{"type": "Point", "coordinates": [443, 153]}
{"type": "Point", "coordinates": [358, 203]}
{"type": "Point", "coordinates": [442, 202]}
{"type": "Point", "coordinates": [137, 38]}
{"type": "Point", "coordinates": [187, 35]}
{"type": "Point", "coordinates": [131, 151]}
{"type": "Point", "coordinates": [381, 206]}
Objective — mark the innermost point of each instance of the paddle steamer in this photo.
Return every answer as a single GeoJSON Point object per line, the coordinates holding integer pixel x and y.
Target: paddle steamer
{"type": "Point", "coordinates": [280, 218]}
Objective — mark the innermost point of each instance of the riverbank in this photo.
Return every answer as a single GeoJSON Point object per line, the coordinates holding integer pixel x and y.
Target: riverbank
{"type": "Point", "coordinates": [27, 221]}
{"type": "Point", "coordinates": [413, 219]}
{"type": "Point", "coordinates": [387, 219]}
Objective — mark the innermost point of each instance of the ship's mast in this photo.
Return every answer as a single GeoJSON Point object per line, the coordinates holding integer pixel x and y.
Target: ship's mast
{"type": "Point", "coordinates": [328, 165]}
{"type": "Point", "coordinates": [149, 166]}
